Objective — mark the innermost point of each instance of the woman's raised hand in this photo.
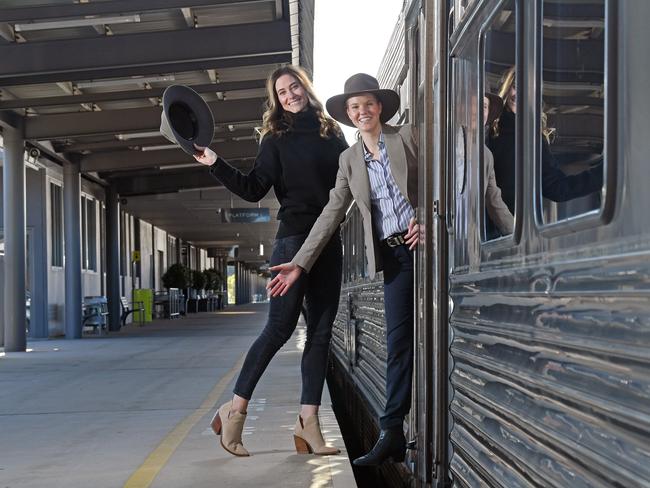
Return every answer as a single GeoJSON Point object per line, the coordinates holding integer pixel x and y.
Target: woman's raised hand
{"type": "Point", "coordinates": [205, 155]}
{"type": "Point", "coordinates": [288, 274]}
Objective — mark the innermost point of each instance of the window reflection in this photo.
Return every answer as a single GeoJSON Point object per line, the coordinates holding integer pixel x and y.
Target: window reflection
{"type": "Point", "coordinates": [499, 124]}
{"type": "Point", "coordinates": [573, 87]}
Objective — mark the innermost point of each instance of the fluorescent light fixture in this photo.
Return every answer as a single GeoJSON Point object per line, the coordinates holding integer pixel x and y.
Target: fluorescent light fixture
{"type": "Point", "coordinates": [66, 24]}
{"type": "Point", "coordinates": [123, 81]}
{"type": "Point", "coordinates": [261, 249]}
{"type": "Point", "coordinates": [137, 135]}
{"type": "Point", "coordinates": [159, 148]}
{"type": "Point", "coordinates": [202, 188]}
{"type": "Point", "coordinates": [177, 166]}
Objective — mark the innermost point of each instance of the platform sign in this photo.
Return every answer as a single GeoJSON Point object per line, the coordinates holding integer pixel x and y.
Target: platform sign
{"type": "Point", "coordinates": [135, 256]}
{"type": "Point", "coordinates": [245, 215]}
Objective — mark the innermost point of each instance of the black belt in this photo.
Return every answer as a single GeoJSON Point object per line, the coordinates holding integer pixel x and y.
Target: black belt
{"type": "Point", "coordinates": [395, 240]}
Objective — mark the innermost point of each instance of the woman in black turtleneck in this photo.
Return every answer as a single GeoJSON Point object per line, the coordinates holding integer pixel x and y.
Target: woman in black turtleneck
{"type": "Point", "coordinates": [298, 157]}
{"type": "Point", "coordinates": [556, 185]}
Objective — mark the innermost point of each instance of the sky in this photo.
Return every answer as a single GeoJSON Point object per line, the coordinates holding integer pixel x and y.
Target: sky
{"type": "Point", "coordinates": [350, 36]}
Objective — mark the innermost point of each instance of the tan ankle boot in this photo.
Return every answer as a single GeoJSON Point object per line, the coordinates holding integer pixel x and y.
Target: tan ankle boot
{"type": "Point", "coordinates": [229, 427]}
{"type": "Point", "coordinates": [308, 438]}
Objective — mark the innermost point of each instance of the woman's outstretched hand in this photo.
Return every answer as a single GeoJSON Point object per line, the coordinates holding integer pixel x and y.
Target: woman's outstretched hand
{"type": "Point", "coordinates": [412, 234]}
{"type": "Point", "coordinates": [288, 274]}
{"type": "Point", "coordinates": [205, 155]}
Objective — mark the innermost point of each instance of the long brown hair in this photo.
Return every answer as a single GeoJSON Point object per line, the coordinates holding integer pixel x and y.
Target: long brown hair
{"type": "Point", "coordinates": [507, 80]}
{"type": "Point", "coordinates": [275, 119]}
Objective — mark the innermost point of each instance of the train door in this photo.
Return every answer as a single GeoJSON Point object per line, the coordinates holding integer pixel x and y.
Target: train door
{"type": "Point", "coordinates": [483, 46]}
{"type": "Point", "coordinates": [420, 418]}
{"type": "Point", "coordinates": [431, 276]}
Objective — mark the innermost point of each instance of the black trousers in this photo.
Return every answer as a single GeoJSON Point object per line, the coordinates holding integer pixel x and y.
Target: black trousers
{"type": "Point", "coordinates": [398, 304]}
{"type": "Point", "coordinates": [321, 289]}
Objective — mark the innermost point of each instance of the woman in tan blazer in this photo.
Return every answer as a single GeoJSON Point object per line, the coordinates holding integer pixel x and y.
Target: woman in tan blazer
{"type": "Point", "coordinates": [379, 172]}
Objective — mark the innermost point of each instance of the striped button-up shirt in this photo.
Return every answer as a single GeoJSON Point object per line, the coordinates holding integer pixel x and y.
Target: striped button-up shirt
{"type": "Point", "coordinates": [391, 211]}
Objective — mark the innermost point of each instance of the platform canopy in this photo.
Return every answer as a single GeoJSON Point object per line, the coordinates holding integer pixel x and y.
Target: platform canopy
{"type": "Point", "coordinates": [86, 78]}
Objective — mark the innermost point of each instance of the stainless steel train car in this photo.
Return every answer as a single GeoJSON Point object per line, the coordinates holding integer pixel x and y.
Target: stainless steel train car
{"type": "Point", "coordinates": [532, 347]}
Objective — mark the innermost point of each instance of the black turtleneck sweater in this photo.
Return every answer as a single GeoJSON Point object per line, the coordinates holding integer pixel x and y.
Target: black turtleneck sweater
{"type": "Point", "coordinates": [299, 164]}
{"type": "Point", "coordinates": [556, 185]}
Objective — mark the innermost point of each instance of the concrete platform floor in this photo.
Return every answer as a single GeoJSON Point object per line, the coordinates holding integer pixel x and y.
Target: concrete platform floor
{"type": "Point", "coordinates": [132, 409]}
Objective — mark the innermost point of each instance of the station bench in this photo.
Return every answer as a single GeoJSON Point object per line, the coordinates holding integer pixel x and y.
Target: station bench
{"type": "Point", "coordinates": [129, 307]}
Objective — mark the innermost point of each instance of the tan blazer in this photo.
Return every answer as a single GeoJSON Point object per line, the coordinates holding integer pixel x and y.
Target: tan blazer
{"type": "Point", "coordinates": [352, 183]}
{"type": "Point", "coordinates": [494, 204]}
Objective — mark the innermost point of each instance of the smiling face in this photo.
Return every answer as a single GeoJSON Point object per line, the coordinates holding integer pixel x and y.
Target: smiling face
{"type": "Point", "coordinates": [291, 95]}
{"type": "Point", "coordinates": [364, 111]}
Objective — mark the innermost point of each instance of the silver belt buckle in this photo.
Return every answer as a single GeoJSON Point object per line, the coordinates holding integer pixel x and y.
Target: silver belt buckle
{"type": "Point", "coordinates": [394, 241]}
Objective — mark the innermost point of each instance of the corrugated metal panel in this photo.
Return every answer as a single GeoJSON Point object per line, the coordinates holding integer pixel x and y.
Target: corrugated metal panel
{"type": "Point", "coordinates": [553, 388]}
{"type": "Point", "coordinates": [359, 339]}
{"type": "Point", "coordinates": [359, 332]}
{"type": "Point", "coordinates": [391, 68]}
{"type": "Point", "coordinates": [550, 337]}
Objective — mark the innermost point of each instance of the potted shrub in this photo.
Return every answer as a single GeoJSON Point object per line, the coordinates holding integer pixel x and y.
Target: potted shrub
{"type": "Point", "coordinates": [216, 285]}
{"type": "Point", "coordinates": [210, 278]}
{"type": "Point", "coordinates": [176, 276]}
{"type": "Point", "coordinates": [214, 280]}
{"type": "Point", "coordinates": [198, 280]}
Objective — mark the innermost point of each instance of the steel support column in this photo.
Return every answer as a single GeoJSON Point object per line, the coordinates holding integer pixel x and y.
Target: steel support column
{"type": "Point", "coordinates": [72, 260]}
{"type": "Point", "coordinates": [113, 259]}
{"type": "Point", "coordinates": [15, 336]}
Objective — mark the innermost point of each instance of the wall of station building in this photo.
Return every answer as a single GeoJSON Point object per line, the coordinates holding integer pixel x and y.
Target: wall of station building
{"type": "Point", "coordinates": [45, 266]}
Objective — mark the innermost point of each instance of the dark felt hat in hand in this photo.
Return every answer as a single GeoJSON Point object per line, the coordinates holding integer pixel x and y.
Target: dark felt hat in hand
{"type": "Point", "coordinates": [186, 119]}
{"type": "Point", "coordinates": [357, 85]}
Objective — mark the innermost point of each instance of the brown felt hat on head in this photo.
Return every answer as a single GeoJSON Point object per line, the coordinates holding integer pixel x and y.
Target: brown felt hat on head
{"type": "Point", "coordinates": [186, 119]}
{"type": "Point", "coordinates": [356, 85]}
{"type": "Point", "coordinates": [496, 107]}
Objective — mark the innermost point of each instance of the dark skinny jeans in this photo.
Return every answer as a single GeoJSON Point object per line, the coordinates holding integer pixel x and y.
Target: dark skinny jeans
{"type": "Point", "coordinates": [321, 289]}
{"type": "Point", "coordinates": [398, 304]}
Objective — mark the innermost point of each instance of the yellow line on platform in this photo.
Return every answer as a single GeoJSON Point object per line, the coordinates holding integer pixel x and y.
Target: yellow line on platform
{"type": "Point", "coordinates": [147, 472]}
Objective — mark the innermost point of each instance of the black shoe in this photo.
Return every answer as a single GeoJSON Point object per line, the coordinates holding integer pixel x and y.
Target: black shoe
{"type": "Point", "coordinates": [391, 446]}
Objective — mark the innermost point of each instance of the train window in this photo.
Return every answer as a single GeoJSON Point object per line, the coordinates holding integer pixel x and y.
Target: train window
{"type": "Point", "coordinates": [498, 123]}
{"type": "Point", "coordinates": [354, 257]}
{"type": "Point", "coordinates": [572, 106]}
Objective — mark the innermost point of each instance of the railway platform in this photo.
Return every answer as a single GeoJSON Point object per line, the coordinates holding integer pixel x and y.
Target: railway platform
{"type": "Point", "coordinates": [132, 409]}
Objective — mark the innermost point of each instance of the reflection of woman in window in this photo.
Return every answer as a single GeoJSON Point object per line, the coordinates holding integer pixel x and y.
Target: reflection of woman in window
{"type": "Point", "coordinates": [497, 211]}
{"type": "Point", "coordinates": [556, 185]}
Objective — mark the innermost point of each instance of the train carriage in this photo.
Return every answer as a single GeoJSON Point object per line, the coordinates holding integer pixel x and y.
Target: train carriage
{"type": "Point", "coordinates": [531, 347]}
